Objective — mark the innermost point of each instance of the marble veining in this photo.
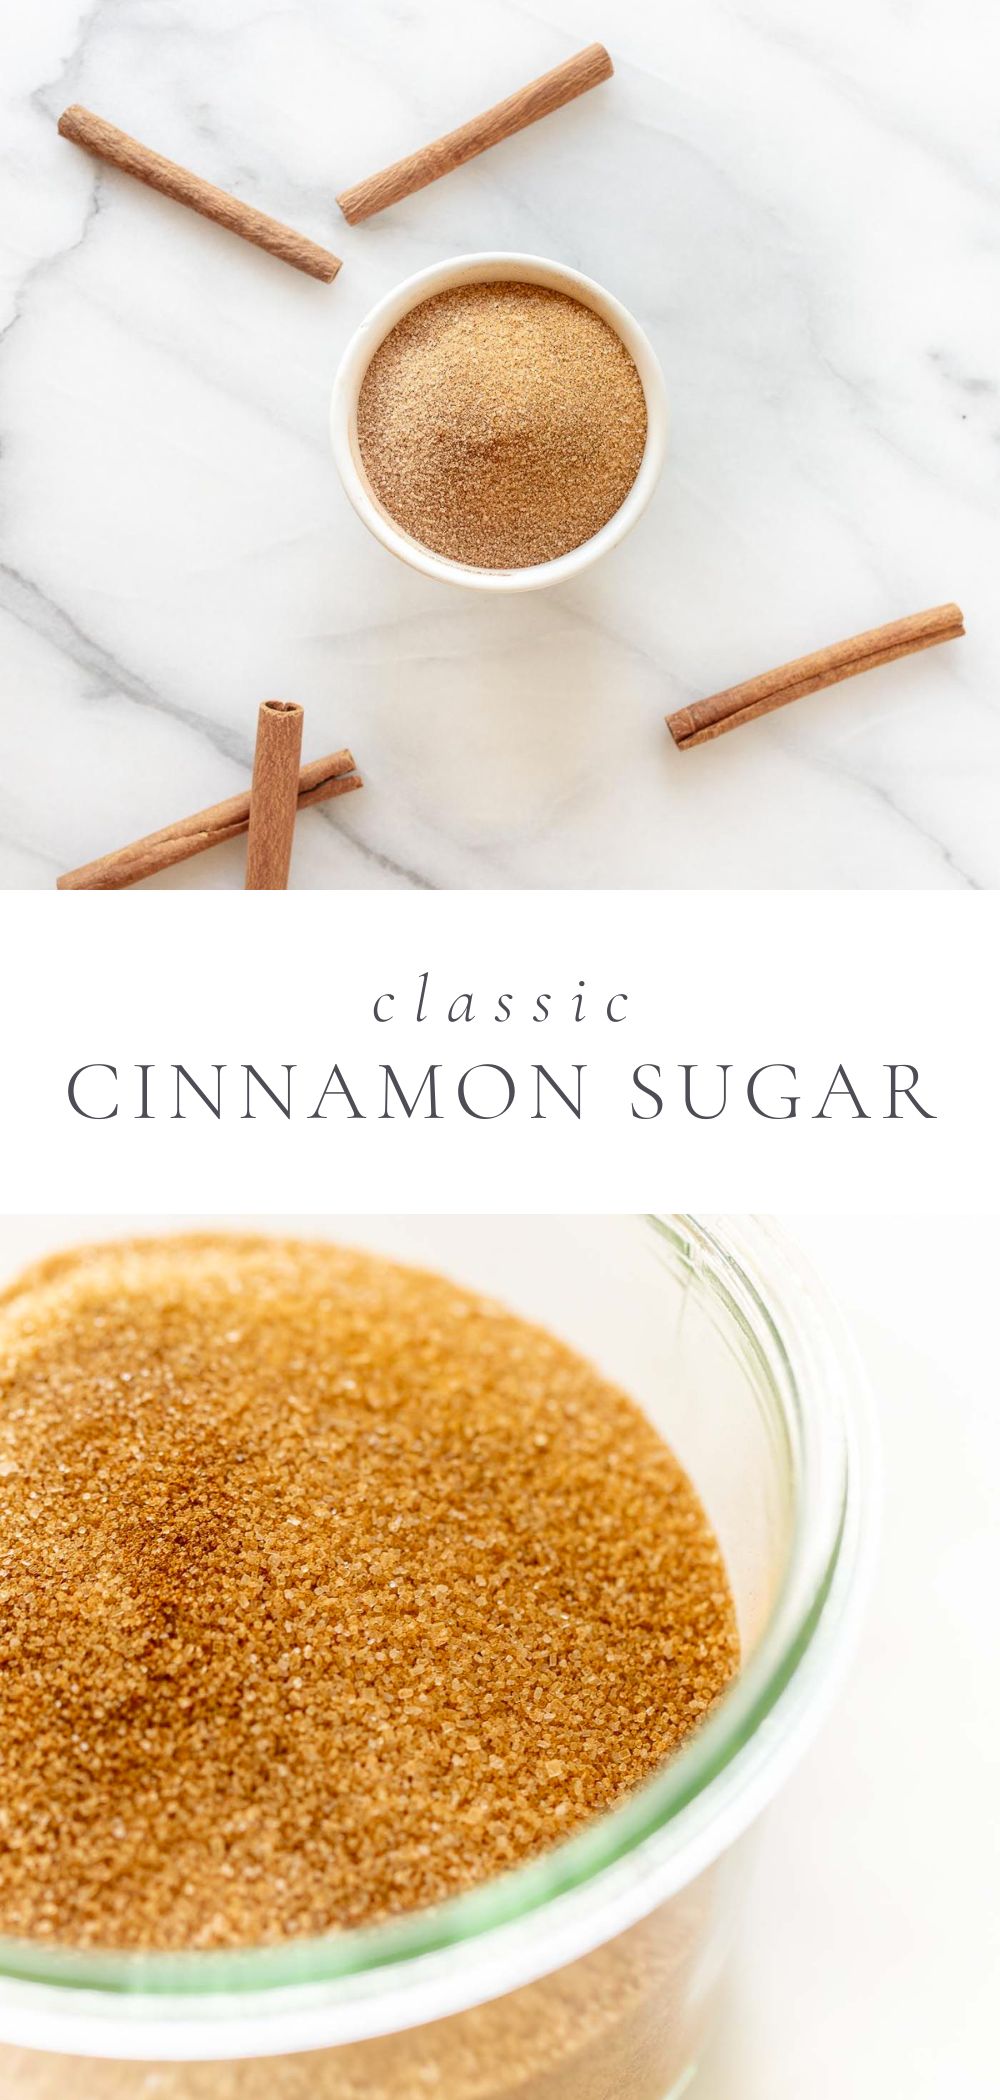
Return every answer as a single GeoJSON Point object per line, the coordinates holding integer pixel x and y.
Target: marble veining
{"type": "Point", "coordinates": [802, 206]}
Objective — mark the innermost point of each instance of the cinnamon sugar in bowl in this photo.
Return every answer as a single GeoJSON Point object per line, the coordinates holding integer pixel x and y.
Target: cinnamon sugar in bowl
{"type": "Point", "coordinates": [499, 421]}
{"type": "Point", "coordinates": [331, 1591]}
{"type": "Point", "coordinates": [258, 1488]}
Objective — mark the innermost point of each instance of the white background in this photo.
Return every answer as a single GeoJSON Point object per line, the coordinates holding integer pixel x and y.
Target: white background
{"type": "Point", "coordinates": [869, 1963]}
{"type": "Point", "coordinates": [814, 980]}
{"type": "Point", "coordinates": [799, 203]}
{"type": "Point", "coordinates": [871, 1956]}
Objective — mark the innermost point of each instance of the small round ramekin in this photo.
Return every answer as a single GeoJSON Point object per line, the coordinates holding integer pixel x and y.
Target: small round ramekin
{"type": "Point", "coordinates": [482, 269]}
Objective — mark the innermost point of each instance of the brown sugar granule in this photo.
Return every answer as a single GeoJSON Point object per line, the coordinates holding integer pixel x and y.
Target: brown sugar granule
{"type": "Point", "coordinates": [501, 424]}
{"type": "Point", "coordinates": [329, 1590]}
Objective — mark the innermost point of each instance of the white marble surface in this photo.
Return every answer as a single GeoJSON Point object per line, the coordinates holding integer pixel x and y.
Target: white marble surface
{"type": "Point", "coordinates": [800, 203]}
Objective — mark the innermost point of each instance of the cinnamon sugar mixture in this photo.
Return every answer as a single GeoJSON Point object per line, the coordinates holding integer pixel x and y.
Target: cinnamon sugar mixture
{"type": "Point", "coordinates": [501, 424]}
{"type": "Point", "coordinates": [328, 1590]}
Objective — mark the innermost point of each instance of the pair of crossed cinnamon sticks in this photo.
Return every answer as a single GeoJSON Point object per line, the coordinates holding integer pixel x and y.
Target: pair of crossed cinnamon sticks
{"type": "Point", "coordinates": [538, 99]}
{"type": "Point", "coordinates": [267, 812]}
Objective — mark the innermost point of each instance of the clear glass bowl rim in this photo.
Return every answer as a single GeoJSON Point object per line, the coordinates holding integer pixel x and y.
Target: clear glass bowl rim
{"type": "Point", "coordinates": [763, 1285]}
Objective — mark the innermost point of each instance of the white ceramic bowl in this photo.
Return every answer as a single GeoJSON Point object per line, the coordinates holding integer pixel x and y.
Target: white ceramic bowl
{"type": "Point", "coordinates": [479, 269]}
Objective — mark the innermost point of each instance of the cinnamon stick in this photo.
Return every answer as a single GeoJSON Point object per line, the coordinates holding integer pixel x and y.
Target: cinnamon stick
{"type": "Point", "coordinates": [105, 142]}
{"type": "Point", "coordinates": [707, 719]}
{"type": "Point", "coordinates": [538, 99]}
{"type": "Point", "coordinates": [274, 795]}
{"type": "Point", "coordinates": [318, 781]}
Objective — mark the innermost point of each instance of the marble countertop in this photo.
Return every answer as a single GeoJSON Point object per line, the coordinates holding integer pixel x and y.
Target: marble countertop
{"type": "Point", "coordinates": [800, 205]}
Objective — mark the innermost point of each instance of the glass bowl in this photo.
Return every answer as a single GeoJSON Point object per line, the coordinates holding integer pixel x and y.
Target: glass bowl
{"type": "Point", "coordinates": [590, 1973]}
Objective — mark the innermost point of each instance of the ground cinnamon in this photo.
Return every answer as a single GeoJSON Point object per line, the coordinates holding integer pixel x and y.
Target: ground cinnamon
{"type": "Point", "coordinates": [502, 423]}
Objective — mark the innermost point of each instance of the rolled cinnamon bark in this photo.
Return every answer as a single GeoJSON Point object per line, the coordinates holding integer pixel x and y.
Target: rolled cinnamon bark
{"type": "Point", "coordinates": [105, 142]}
{"type": "Point", "coordinates": [538, 99]}
{"type": "Point", "coordinates": [707, 719]}
{"type": "Point", "coordinates": [321, 779]}
{"type": "Point", "coordinates": [274, 795]}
